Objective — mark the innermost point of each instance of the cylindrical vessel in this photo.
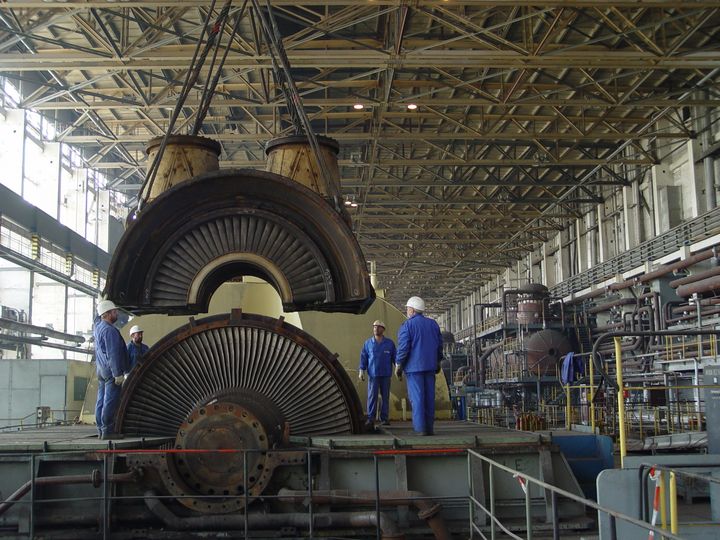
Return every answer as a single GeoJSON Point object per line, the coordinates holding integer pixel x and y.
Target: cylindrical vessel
{"type": "Point", "coordinates": [545, 350]}
{"type": "Point", "coordinates": [293, 157]}
{"type": "Point", "coordinates": [185, 156]}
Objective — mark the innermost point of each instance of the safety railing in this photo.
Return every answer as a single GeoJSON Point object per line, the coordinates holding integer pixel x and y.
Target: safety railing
{"type": "Point", "coordinates": [616, 381]}
{"type": "Point", "coordinates": [665, 483]}
{"type": "Point", "coordinates": [367, 510]}
{"type": "Point", "coordinates": [533, 489]}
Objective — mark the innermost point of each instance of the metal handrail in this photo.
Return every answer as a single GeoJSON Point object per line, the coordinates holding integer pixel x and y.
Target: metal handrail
{"type": "Point", "coordinates": [555, 493]}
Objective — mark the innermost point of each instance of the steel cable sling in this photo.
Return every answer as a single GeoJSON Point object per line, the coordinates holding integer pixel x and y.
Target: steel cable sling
{"type": "Point", "coordinates": [196, 64]}
{"type": "Point", "coordinates": [283, 77]}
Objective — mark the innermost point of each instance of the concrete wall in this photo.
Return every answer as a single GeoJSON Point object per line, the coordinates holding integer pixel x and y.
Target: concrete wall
{"type": "Point", "coordinates": [28, 384]}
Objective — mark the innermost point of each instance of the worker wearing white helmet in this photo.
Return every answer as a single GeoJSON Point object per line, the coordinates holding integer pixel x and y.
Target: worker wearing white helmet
{"type": "Point", "coordinates": [376, 360]}
{"type": "Point", "coordinates": [419, 355]}
{"type": "Point", "coordinates": [111, 365]}
{"type": "Point", "coordinates": [136, 348]}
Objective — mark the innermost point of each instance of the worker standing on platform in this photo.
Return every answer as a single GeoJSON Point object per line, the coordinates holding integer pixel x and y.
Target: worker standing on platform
{"type": "Point", "coordinates": [112, 364]}
{"type": "Point", "coordinates": [136, 348]}
{"type": "Point", "coordinates": [377, 359]}
{"type": "Point", "coordinates": [419, 354]}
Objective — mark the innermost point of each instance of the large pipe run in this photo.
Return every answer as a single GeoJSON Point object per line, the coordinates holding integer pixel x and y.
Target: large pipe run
{"type": "Point", "coordinates": [702, 286]}
{"type": "Point", "coordinates": [94, 478]}
{"type": "Point", "coordinates": [428, 510]}
{"type": "Point", "coordinates": [677, 265]}
{"type": "Point", "coordinates": [257, 521]}
{"type": "Point", "coordinates": [695, 277]}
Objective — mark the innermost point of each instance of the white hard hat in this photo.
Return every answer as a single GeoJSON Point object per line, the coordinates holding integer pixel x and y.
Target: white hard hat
{"type": "Point", "coordinates": [104, 306]}
{"type": "Point", "coordinates": [135, 329]}
{"type": "Point", "coordinates": [379, 323]}
{"type": "Point", "coordinates": [417, 303]}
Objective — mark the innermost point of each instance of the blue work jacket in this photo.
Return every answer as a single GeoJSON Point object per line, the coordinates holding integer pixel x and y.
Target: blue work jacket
{"type": "Point", "coordinates": [110, 352]}
{"type": "Point", "coordinates": [420, 345]}
{"type": "Point", "coordinates": [135, 353]}
{"type": "Point", "coordinates": [378, 358]}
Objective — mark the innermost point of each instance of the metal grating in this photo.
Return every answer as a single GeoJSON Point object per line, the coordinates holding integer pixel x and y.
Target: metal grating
{"type": "Point", "coordinates": [236, 353]}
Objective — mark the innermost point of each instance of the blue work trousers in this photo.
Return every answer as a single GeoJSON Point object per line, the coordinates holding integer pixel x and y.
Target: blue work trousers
{"type": "Point", "coordinates": [108, 399]}
{"type": "Point", "coordinates": [421, 391]}
{"type": "Point", "coordinates": [381, 385]}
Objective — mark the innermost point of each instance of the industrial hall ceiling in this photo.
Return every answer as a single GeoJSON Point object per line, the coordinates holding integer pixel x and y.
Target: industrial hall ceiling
{"type": "Point", "coordinates": [469, 131]}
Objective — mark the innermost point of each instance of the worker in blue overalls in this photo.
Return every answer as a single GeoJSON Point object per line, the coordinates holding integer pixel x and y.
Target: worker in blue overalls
{"type": "Point", "coordinates": [419, 355]}
{"type": "Point", "coordinates": [111, 365]}
{"type": "Point", "coordinates": [376, 361]}
{"type": "Point", "coordinates": [136, 348]}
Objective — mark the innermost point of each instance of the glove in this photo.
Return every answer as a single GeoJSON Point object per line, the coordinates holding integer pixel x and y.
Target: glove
{"type": "Point", "coordinates": [398, 372]}
{"type": "Point", "coordinates": [119, 380]}
{"type": "Point", "coordinates": [361, 374]}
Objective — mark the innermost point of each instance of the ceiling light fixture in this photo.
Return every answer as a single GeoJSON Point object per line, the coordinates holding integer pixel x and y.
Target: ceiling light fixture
{"type": "Point", "coordinates": [358, 106]}
{"type": "Point", "coordinates": [411, 106]}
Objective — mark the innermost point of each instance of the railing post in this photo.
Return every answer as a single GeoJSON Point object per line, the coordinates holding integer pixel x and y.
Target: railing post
{"type": "Point", "coordinates": [592, 394]}
{"type": "Point", "coordinates": [673, 504]}
{"type": "Point", "coordinates": [620, 399]}
{"type": "Point", "coordinates": [528, 511]}
{"type": "Point", "coordinates": [32, 496]}
{"type": "Point", "coordinates": [310, 504]}
{"type": "Point", "coordinates": [555, 518]}
{"type": "Point", "coordinates": [377, 497]}
{"type": "Point", "coordinates": [568, 411]}
{"type": "Point", "coordinates": [471, 490]}
{"type": "Point", "coordinates": [491, 482]}
{"type": "Point", "coordinates": [106, 502]}
{"type": "Point", "coordinates": [663, 501]}
{"type": "Point", "coordinates": [245, 491]}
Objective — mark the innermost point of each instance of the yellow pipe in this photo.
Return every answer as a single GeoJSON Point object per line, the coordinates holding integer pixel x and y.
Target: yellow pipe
{"type": "Point", "coordinates": [673, 504]}
{"type": "Point", "coordinates": [567, 407]}
{"type": "Point", "coordinates": [663, 502]}
{"type": "Point", "coordinates": [620, 399]}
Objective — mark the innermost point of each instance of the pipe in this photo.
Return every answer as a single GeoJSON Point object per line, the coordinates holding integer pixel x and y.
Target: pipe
{"type": "Point", "coordinates": [695, 277]}
{"type": "Point", "coordinates": [94, 478]}
{"type": "Point", "coordinates": [684, 263]}
{"type": "Point", "coordinates": [609, 305]}
{"type": "Point", "coordinates": [587, 296]}
{"type": "Point", "coordinates": [428, 510]}
{"type": "Point", "coordinates": [705, 285]}
{"type": "Point", "coordinates": [505, 309]}
{"type": "Point", "coordinates": [273, 521]}
{"type": "Point", "coordinates": [620, 399]}
{"type": "Point", "coordinates": [480, 368]}
{"type": "Point", "coordinates": [623, 284]}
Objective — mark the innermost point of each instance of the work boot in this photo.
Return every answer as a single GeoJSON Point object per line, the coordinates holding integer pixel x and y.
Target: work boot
{"type": "Point", "coordinates": [111, 436]}
{"type": "Point", "coordinates": [385, 423]}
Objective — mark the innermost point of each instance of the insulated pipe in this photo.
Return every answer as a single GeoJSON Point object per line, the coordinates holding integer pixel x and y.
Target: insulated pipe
{"type": "Point", "coordinates": [606, 307]}
{"type": "Point", "coordinates": [702, 286]}
{"type": "Point", "coordinates": [273, 521]}
{"type": "Point", "coordinates": [587, 296]}
{"type": "Point", "coordinates": [94, 478]}
{"type": "Point", "coordinates": [695, 277]}
{"type": "Point", "coordinates": [663, 270]}
{"type": "Point", "coordinates": [428, 510]}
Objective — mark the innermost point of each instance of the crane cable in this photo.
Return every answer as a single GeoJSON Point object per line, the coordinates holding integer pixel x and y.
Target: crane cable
{"type": "Point", "coordinates": [283, 76]}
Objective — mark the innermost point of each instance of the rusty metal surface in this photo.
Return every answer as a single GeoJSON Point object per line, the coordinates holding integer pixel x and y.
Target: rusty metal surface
{"type": "Point", "coordinates": [239, 354]}
{"type": "Point", "coordinates": [226, 224]}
